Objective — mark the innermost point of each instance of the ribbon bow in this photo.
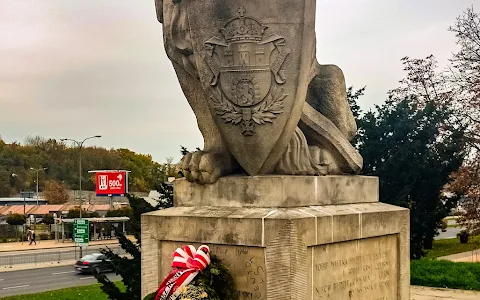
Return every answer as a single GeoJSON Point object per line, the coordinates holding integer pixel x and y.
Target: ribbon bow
{"type": "Point", "coordinates": [187, 263]}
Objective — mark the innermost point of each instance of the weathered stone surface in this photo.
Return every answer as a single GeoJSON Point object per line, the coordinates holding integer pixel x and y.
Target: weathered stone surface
{"type": "Point", "coordinates": [286, 245]}
{"type": "Point", "coordinates": [360, 269]}
{"type": "Point", "coordinates": [247, 70]}
{"type": "Point", "coordinates": [277, 191]}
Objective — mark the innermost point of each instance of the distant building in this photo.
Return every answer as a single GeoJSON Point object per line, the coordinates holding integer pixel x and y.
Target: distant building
{"type": "Point", "coordinates": [40, 210]}
{"type": "Point", "coordinates": [21, 201]}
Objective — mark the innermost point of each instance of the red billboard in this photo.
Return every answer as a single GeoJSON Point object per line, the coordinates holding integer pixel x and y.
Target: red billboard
{"type": "Point", "coordinates": [111, 183]}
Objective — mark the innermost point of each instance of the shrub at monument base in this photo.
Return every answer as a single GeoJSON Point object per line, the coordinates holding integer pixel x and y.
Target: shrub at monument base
{"type": "Point", "coordinates": [129, 268]}
{"type": "Point", "coordinates": [445, 274]}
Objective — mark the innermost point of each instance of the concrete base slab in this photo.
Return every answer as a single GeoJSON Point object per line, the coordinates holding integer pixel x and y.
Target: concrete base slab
{"type": "Point", "coordinates": [277, 191]}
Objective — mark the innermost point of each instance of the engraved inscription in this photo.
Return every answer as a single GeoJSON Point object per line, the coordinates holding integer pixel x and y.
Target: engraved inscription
{"type": "Point", "coordinates": [247, 265]}
{"type": "Point", "coordinates": [246, 66]}
{"type": "Point", "coordinates": [363, 269]}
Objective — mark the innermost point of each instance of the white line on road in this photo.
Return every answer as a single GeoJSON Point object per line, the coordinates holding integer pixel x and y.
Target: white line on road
{"type": "Point", "coordinates": [60, 273]}
{"type": "Point", "coordinates": [15, 287]}
{"type": "Point", "coordinates": [87, 278]}
{"type": "Point", "coordinates": [2, 279]}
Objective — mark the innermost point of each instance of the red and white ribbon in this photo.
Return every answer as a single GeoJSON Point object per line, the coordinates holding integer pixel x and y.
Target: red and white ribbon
{"type": "Point", "coordinates": [187, 263]}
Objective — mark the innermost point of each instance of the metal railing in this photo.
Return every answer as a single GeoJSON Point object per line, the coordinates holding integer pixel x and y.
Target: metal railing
{"type": "Point", "coordinates": [38, 257]}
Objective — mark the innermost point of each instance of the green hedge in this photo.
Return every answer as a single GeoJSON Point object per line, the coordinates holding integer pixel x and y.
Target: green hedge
{"type": "Point", "coordinates": [445, 274]}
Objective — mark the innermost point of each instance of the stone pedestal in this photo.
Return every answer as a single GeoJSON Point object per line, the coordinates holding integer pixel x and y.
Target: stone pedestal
{"type": "Point", "coordinates": [329, 238]}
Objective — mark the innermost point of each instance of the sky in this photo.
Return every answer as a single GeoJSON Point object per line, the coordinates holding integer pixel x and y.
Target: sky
{"type": "Point", "coordinates": [75, 69]}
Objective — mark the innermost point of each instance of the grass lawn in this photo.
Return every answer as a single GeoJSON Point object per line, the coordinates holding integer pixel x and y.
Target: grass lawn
{"type": "Point", "coordinates": [445, 274]}
{"type": "Point", "coordinates": [452, 246]}
{"type": "Point", "coordinates": [89, 292]}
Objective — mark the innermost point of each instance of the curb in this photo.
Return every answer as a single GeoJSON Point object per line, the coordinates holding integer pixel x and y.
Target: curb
{"type": "Point", "coordinates": [63, 263]}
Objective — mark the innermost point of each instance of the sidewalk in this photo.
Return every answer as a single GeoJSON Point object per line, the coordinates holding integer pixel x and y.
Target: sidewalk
{"type": "Point", "coordinates": [50, 244]}
{"type": "Point", "coordinates": [425, 293]}
{"type": "Point", "coordinates": [469, 256]}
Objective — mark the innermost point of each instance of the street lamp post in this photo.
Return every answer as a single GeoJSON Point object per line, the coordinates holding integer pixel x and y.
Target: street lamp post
{"type": "Point", "coordinates": [80, 145]}
{"type": "Point", "coordinates": [38, 170]}
{"type": "Point", "coordinates": [24, 195]}
{"type": "Point", "coordinates": [24, 217]}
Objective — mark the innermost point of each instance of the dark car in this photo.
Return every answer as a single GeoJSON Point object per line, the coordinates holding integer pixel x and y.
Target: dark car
{"type": "Point", "coordinates": [94, 263]}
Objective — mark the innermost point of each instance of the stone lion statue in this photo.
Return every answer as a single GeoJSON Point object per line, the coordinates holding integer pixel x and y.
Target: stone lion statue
{"type": "Point", "coordinates": [263, 103]}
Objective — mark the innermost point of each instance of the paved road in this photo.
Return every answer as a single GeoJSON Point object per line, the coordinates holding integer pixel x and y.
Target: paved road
{"type": "Point", "coordinates": [16, 258]}
{"type": "Point", "coordinates": [42, 280]}
{"type": "Point", "coordinates": [449, 234]}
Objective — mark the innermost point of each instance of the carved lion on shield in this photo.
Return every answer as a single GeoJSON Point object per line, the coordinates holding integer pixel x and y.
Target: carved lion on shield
{"type": "Point", "coordinates": [262, 102]}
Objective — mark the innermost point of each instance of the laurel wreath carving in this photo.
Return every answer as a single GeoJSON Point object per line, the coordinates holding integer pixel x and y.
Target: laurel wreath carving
{"type": "Point", "coordinates": [224, 108]}
{"type": "Point", "coordinates": [268, 109]}
{"type": "Point", "coordinates": [261, 114]}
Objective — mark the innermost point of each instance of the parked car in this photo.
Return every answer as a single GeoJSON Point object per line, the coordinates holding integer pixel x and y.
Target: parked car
{"type": "Point", "coordinates": [94, 263]}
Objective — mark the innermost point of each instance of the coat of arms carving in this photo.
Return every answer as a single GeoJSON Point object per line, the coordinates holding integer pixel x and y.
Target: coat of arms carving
{"type": "Point", "coordinates": [247, 74]}
{"type": "Point", "coordinates": [262, 102]}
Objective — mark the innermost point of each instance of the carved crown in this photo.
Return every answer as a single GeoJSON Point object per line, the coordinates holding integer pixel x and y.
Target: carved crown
{"type": "Point", "coordinates": [243, 28]}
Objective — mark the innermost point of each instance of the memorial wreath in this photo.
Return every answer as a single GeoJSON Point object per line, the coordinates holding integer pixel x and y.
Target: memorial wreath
{"type": "Point", "coordinates": [195, 275]}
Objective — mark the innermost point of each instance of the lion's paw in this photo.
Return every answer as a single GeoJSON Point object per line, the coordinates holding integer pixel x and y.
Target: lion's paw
{"type": "Point", "coordinates": [206, 167]}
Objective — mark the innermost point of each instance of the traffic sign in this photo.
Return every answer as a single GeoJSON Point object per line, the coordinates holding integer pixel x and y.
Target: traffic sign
{"type": "Point", "coordinates": [81, 231]}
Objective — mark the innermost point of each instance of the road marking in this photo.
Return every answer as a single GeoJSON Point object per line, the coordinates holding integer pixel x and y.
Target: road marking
{"type": "Point", "coordinates": [15, 287]}
{"type": "Point", "coordinates": [2, 279]}
{"type": "Point", "coordinates": [59, 273]}
{"type": "Point", "coordinates": [87, 278]}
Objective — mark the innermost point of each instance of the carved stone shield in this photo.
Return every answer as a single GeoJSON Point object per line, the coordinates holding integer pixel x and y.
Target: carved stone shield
{"type": "Point", "coordinates": [254, 60]}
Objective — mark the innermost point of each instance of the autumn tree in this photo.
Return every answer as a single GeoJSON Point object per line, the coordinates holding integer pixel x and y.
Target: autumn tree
{"type": "Point", "coordinates": [424, 82]}
{"type": "Point", "coordinates": [55, 192]}
{"type": "Point", "coordinates": [465, 185]}
{"type": "Point", "coordinates": [464, 77]}
{"type": "Point", "coordinates": [465, 73]}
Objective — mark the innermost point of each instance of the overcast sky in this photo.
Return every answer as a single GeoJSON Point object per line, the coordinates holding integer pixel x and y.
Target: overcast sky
{"type": "Point", "coordinates": [71, 68]}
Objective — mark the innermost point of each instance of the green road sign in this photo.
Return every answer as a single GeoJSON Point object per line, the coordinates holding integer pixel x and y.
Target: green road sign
{"type": "Point", "coordinates": [81, 231]}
